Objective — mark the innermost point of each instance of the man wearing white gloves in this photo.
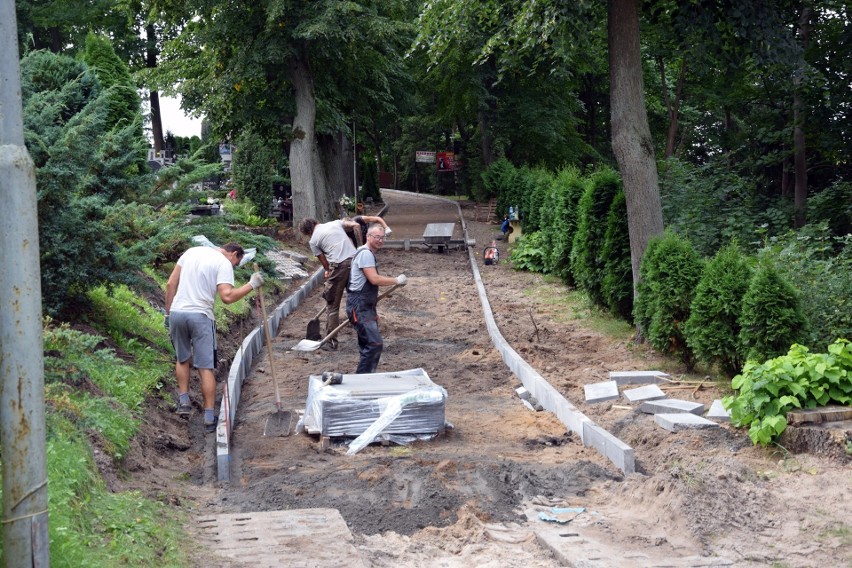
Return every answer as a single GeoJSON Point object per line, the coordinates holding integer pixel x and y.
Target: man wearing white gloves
{"type": "Point", "coordinates": [200, 274]}
{"type": "Point", "coordinates": [361, 296]}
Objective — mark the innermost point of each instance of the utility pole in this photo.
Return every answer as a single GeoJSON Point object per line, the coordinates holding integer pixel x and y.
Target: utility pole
{"type": "Point", "coordinates": [22, 429]}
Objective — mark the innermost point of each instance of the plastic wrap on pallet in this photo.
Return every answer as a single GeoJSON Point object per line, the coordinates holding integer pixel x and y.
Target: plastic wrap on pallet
{"type": "Point", "coordinates": [392, 407]}
{"type": "Point", "coordinates": [350, 408]}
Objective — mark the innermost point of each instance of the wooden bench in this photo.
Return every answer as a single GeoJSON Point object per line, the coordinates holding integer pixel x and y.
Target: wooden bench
{"type": "Point", "coordinates": [485, 212]}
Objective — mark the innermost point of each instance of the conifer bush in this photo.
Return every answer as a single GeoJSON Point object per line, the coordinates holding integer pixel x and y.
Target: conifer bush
{"type": "Point", "coordinates": [540, 183]}
{"type": "Point", "coordinates": [253, 171]}
{"type": "Point", "coordinates": [772, 319]}
{"type": "Point", "coordinates": [587, 264]}
{"type": "Point", "coordinates": [669, 274]}
{"type": "Point", "coordinates": [617, 283]}
{"type": "Point", "coordinates": [370, 180]}
{"type": "Point", "coordinates": [713, 327]}
{"type": "Point", "coordinates": [559, 222]}
{"type": "Point", "coordinates": [82, 166]}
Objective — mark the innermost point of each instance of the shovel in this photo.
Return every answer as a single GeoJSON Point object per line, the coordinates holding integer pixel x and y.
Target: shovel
{"type": "Point", "coordinates": [277, 423]}
{"type": "Point", "coordinates": [313, 332]}
{"type": "Point", "coordinates": [309, 345]}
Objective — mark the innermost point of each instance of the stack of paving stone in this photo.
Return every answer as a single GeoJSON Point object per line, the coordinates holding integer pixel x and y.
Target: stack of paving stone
{"type": "Point", "coordinates": [349, 408]}
{"type": "Point", "coordinates": [288, 264]}
{"type": "Point", "coordinates": [671, 414]}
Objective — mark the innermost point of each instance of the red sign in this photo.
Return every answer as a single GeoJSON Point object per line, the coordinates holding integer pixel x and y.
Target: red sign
{"type": "Point", "coordinates": [446, 161]}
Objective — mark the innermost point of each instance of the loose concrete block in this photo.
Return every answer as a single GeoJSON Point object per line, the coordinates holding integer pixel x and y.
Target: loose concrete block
{"type": "Point", "coordinates": [523, 393]}
{"type": "Point", "coordinates": [601, 392]}
{"type": "Point", "coordinates": [636, 377]}
{"type": "Point", "coordinates": [718, 412]}
{"type": "Point", "coordinates": [683, 421]}
{"type": "Point", "coordinates": [648, 392]}
{"type": "Point", "coordinates": [671, 405]}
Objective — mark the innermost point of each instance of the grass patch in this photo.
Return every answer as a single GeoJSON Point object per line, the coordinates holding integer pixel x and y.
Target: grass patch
{"type": "Point", "coordinates": [575, 305]}
{"type": "Point", "coordinates": [89, 526]}
{"type": "Point", "coordinates": [842, 532]}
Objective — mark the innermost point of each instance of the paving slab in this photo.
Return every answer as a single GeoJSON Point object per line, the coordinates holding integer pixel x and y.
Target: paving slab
{"type": "Point", "coordinates": [641, 394]}
{"type": "Point", "coordinates": [718, 412]}
{"type": "Point", "coordinates": [670, 405]}
{"type": "Point", "coordinates": [580, 544]}
{"type": "Point", "coordinates": [637, 377]}
{"type": "Point", "coordinates": [601, 392]}
{"type": "Point", "coordinates": [683, 421]}
{"type": "Point", "coordinates": [299, 538]}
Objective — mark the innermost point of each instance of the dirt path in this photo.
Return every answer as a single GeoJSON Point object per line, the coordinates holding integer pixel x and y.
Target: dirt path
{"type": "Point", "coordinates": [459, 500]}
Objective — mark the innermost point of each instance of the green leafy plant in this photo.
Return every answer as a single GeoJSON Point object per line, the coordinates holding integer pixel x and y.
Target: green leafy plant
{"type": "Point", "coordinates": [800, 379]}
{"type": "Point", "coordinates": [528, 253]}
{"type": "Point", "coordinates": [819, 266]}
{"type": "Point", "coordinates": [244, 212]}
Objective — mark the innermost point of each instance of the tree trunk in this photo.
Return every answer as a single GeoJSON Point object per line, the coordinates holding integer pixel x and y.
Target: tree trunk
{"type": "Point", "coordinates": [336, 153]}
{"type": "Point", "coordinates": [799, 149]}
{"type": "Point", "coordinates": [485, 137]}
{"type": "Point", "coordinates": [672, 106]}
{"type": "Point", "coordinates": [631, 135]}
{"type": "Point", "coordinates": [311, 194]}
{"type": "Point", "coordinates": [151, 62]}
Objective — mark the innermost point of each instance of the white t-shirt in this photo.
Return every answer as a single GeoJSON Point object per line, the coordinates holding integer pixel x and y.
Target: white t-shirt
{"type": "Point", "coordinates": [331, 240]}
{"type": "Point", "coordinates": [202, 269]}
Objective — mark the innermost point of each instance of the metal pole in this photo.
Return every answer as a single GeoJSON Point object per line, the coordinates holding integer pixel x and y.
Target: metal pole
{"type": "Point", "coordinates": [22, 428]}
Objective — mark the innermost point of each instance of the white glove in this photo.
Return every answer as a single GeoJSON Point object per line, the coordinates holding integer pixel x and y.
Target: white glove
{"type": "Point", "coordinates": [388, 231]}
{"type": "Point", "coordinates": [402, 280]}
{"type": "Point", "coordinates": [256, 280]}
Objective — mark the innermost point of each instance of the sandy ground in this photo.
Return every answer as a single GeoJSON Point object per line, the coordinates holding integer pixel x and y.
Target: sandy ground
{"type": "Point", "coordinates": [459, 499]}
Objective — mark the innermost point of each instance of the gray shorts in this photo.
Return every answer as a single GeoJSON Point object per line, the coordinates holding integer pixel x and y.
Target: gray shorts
{"type": "Point", "coordinates": [193, 335]}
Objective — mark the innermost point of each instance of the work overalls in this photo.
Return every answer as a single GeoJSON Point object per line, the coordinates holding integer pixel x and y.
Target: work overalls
{"type": "Point", "coordinates": [361, 311]}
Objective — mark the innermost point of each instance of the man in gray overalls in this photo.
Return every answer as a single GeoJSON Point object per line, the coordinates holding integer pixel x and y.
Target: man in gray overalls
{"type": "Point", "coordinates": [361, 296]}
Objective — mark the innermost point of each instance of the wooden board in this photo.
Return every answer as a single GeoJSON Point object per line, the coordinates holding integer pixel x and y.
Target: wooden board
{"type": "Point", "coordinates": [820, 415]}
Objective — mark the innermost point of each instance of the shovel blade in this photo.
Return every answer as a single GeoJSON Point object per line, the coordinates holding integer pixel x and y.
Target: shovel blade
{"type": "Point", "coordinates": [278, 424]}
{"type": "Point", "coordinates": [313, 332]}
{"type": "Point", "coordinates": [307, 345]}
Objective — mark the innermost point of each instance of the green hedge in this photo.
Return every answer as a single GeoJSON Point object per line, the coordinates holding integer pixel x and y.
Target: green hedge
{"type": "Point", "coordinates": [772, 318]}
{"type": "Point", "coordinates": [669, 274]}
{"type": "Point", "coordinates": [587, 262]}
{"type": "Point", "coordinates": [713, 327]}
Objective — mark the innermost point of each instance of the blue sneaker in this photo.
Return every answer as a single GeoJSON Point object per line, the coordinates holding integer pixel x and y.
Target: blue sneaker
{"type": "Point", "coordinates": [183, 410]}
{"type": "Point", "coordinates": [211, 426]}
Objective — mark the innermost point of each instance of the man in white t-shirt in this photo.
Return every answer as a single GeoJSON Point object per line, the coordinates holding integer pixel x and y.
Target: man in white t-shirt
{"type": "Point", "coordinates": [334, 249]}
{"type": "Point", "coordinates": [200, 274]}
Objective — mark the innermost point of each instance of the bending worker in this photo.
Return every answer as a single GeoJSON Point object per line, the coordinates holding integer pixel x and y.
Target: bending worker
{"type": "Point", "coordinates": [364, 221]}
{"type": "Point", "coordinates": [334, 249]}
{"type": "Point", "coordinates": [362, 295]}
{"type": "Point", "coordinates": [200, 274]}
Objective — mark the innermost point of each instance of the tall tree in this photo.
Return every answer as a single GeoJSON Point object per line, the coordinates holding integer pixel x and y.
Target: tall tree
{"type": "Point", "coordinates": [275, 64]}
{"type": "Point", "coordinates": [631, 135]}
